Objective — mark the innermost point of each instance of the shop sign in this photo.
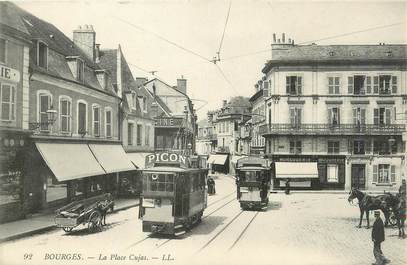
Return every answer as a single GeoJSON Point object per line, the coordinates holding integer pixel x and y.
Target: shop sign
{"type": "Point", "coordinates": [168, 122]}
{"type": "Point", "coordinates": [166, 157]}
{"type": "Point", "coordinates": [9, 74]}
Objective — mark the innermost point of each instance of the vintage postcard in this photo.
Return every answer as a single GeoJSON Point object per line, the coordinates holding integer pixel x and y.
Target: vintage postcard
{"type": "Point", "coordinates": [203, 132]}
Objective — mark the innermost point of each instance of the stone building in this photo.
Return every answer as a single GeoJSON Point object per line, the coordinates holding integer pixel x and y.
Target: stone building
{"type": "Point", "coordinates": [14, 130]}
{"type": "Point", "coordinates": [73, 112]}
{"type": "Point", "coordinates": [205, 138]}
{"type": "Point", "coordinates": [333, 114]}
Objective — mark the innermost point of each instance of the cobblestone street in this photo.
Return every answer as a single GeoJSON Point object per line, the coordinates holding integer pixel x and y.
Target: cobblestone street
{"type": "Point", "coordinates": [301, 228]}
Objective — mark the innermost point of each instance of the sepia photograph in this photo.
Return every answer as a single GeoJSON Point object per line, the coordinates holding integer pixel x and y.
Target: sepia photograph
{"type": "Point", "coordinates": [207, 132]}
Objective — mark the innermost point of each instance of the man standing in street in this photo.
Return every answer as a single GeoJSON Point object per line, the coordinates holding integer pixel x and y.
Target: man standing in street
{"type": "Point", "coordinates": [378, 238]}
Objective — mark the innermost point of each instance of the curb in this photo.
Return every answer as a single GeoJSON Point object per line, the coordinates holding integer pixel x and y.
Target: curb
{"type": "Point", "coordinates": [52, 227]}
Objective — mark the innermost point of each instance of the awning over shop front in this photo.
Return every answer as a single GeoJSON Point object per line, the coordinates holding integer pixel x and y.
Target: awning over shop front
{"type": "Point", "coordinates": [296, 170]}
{"type": "Point", "coordinates": [69, 161]}
{"type": "Point", "coordinates": [217, 159]}
{"type": "Point", "coordinates": [138, 159]}
{"type": "Point", "coordinates": [112, 157]}
{"type": "Point", "coordinates": [235, 158]}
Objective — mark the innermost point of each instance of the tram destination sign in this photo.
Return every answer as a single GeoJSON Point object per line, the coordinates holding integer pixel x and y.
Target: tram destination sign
{"type": "Point", "coordinates": [168, 122]}
{"type": "Point", "coordinates": [167, 158]}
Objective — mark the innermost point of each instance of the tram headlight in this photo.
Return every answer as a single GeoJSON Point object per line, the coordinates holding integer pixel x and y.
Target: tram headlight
{"type": "Point", "coordinates": [148, 203]}
{"type": "Point", "coordinates": [244, 189]}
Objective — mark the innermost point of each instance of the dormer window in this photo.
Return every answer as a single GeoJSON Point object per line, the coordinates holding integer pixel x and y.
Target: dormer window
{"type": "Point", "coordinates": [79, 70]}
{"type": "Point", "coordinates": [42, 54]}
{"type": "Point", "coordinates": [134, 100]}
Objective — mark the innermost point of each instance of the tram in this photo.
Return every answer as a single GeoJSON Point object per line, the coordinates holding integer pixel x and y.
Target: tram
{"type": "Point", "coordinates": [253, 177]}
{"type": "Point", "coordinates": [174, 195]}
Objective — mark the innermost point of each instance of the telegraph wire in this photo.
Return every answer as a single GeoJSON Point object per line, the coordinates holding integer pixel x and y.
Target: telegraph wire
{"type": "Point", "coordinates": [322, 39]}
{"type": "Point", "coordinates": [224, 28]}
{"type": "Point", "coordinates": [226, 79]}
{"type": "Point", "coordinates": [164, 39]}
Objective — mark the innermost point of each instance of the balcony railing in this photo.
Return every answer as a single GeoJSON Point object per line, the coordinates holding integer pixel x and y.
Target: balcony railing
{"type": "Point", "coordinates": [329, 129]}
{"type": "Point", "coordinates": [209, 137]}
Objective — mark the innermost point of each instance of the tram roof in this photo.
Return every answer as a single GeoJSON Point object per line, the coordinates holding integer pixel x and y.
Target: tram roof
{"type": "Point", "coordinates": [252, 168]}
{"type": "Point", "coordinates": [169, 169]}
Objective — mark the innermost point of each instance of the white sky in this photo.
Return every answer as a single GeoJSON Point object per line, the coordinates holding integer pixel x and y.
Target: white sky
{"type": "Point", "coordinates": [198, 25]}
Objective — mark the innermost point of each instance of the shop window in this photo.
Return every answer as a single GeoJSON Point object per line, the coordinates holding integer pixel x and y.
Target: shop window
{"type": "Point", "coordinates": [55, 189]}
{"type": "Point", "coordinates": [78, 187]}
{"type": "Point", "coordinates": [333, 147]}
{"type": "Point", "coordinates": [332, 173]}
{"type": "Point", "coordinates": [108, 123]}
{"type": "Point", "coordinates": [333, 85]}
{"type": "Point", "coordinates": [8, 102]}
{"type": "Point", "coordinates": [66, 114]}
{"type": "Point", "coordinates": [130, 134]}
{"type": "Point", "coordinates": [96, 120]}
{"type": "Point", "coordinates": [295, 147]}
{"type": "Point", "coordinates": [359, 147]}
{"type": "Point", "coordinates": [3, 51]}
{"type": "Point", "coordinates": [10, 185]}
{"type": "Point", "coordinates": [294, 85]}
{"type": "Point", "coordinates": [96, 184]}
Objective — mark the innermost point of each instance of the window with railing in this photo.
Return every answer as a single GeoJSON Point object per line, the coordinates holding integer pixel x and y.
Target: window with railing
{"type": "Point", "coordinates": [381, 116]}
{"type": "Point", "coordinates": [359, 116]}
{"type": "Point", "coordinates": [295, 116]}
{"type": "Point", "coordinates": [334, 116]}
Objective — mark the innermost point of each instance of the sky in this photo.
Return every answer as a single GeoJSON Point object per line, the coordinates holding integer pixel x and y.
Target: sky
{"type": "Point", "coordinates": [171, 37]}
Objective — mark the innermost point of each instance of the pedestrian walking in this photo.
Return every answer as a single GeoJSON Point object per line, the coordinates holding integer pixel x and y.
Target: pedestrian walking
{"type": "Point", "coordinates": [287, 186]}
{"type": "Point", "coordinates": [377, 238]}
{"type": "Point", "coordinates": [402, 189]}
{"type": "Point", "coordinates": [211, 186]}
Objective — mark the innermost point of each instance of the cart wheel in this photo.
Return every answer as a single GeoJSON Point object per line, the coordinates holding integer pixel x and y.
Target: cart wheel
{"type": "Point", "coordinates": [67, 229]}
{"type": "Point", "coordinates": [95, 221]}
{"type": "Point", "coordinates": [392, 220]}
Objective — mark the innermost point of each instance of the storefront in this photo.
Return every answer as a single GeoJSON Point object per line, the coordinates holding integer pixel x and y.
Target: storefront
{"type": "Point", "coordinates": [171, 133]}
{"type": "Point", "coordinates": [70, 171]}
{"type": "Point", "coordinates": [309, 172]}
{"type": "Point", "coordinates": [219, 163]}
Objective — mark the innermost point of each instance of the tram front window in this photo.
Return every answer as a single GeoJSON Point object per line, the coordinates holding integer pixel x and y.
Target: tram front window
{"type": "Point", "coordinates": [251, 176]}
{"type": "Point", "coordinates": [162, 182]}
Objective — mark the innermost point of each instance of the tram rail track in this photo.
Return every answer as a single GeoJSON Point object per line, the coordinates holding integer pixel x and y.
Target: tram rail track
{"type": "Point", "coordinates": [243, 231]}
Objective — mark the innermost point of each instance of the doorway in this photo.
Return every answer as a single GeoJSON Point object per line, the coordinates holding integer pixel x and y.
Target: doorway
{"type": "Point", "coordinates": [358, 177]}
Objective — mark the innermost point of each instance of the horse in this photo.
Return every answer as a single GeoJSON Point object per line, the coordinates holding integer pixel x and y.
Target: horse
{"type": "Point", "coordinates": [400, 213]}
{"type": "Point", "coordinates": [369, 203]}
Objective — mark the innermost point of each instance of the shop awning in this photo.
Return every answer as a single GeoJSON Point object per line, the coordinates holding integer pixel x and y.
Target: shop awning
{"type": "Point", "coordinates": [111, 157]}
{"type": "Point", "coordinates": [296, 170]}
{"type": "Point", "coordinates": [69, 161]}
{"type": "Point", "coordinates": [138, 159]}
{"type": "Point", "coordinates": [217, 159]}
{"type": "Point", "coordinates": [235, 158]}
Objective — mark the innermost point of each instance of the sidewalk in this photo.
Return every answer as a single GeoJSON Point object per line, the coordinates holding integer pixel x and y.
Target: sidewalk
{"type": "Point", "coordinates": [45, 222]}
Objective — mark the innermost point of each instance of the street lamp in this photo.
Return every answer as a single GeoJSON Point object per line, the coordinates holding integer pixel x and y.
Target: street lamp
{"type": "Point", "coordinates": [51, 118]}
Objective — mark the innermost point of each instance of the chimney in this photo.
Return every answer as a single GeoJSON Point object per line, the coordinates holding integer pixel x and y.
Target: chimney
{"type": "Point", "coordinates": [84, 37]}
{"type": "Point", "coordinates": [274, 38]}
{"type": "Point", "coordinates": [283, 38]}
{"type": "Point", "coordinates": [97, 53]}
{"type": "Point", "coordinates": [182, 85]}
{"type": "Point", "coordinates": [224, 102]}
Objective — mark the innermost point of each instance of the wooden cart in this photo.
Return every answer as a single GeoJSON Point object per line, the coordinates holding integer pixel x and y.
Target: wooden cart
{"type": "Point", "coordinates": [91, 212]}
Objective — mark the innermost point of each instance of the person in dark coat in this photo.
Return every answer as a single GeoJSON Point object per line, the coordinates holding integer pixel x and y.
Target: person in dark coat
{"type": "Point", "coordinates": [377, 238]}
{"type": "Point", "coordinates": [287, 186]}
{"type": "Point", "coordinates": [211, 186]}
{"type": "Point", "coordinates": [402, 189]}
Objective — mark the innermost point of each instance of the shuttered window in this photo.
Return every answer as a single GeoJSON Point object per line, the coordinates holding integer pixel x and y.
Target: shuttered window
{"type": "Point", "coordinates": [375, 173]}
{"type": "Point", "coordinates": [350, 84]}
{"type": "Point", "coordinates": [368, 85]}
{"type": "Point", "coordinates": [393, 173]}
{"type": "Point", "coordinates": [376, 85]}
{"type": "Point", "coordinates": [394, 84]}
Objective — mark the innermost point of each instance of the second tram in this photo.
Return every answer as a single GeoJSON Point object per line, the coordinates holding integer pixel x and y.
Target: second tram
{"type": "Point", "coordinates": [174, 195]}
{"type": "Point", "coordinates": [253, 177]}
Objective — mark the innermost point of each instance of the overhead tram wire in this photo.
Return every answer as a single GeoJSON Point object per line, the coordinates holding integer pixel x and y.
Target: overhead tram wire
{"type": "Point", "coordinates": [226, 79]}
{"type": "Point", "coordinates": [224, 29]}
{"type": "Point", "coordinates": [164, 39]}
{"type": "Point", "coordinates": [322, 39]}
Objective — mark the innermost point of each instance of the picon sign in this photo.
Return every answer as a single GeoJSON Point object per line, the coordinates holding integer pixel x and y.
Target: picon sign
{"type": "Point", "coordinates": [167, 158]}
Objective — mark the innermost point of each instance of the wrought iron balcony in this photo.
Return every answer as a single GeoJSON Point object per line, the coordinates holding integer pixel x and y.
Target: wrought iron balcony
{"type": "Point", "coordinates": [329, 129]}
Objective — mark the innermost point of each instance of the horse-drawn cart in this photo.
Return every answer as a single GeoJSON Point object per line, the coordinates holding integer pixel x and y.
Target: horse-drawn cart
{"type": "Point", "coordinates": [91, 212]}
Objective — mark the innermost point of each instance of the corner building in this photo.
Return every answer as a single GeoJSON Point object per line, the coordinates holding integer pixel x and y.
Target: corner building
{"type": "Point", "coordinates": [336, 115]}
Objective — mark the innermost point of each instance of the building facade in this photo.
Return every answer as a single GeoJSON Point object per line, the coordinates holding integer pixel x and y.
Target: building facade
{"type": "Point", "coordinates": [74, 150]}
{"type": "Point", "coordinates": [337, 106]}
{"type": "Point", "coordinates": [174, 116]}
{"type": "Point", "coordinates": [257, 145]}
{"type": "Point", "coordinates": [205, 138]}
{"type": "Point", "coordinates": [14, 130]}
